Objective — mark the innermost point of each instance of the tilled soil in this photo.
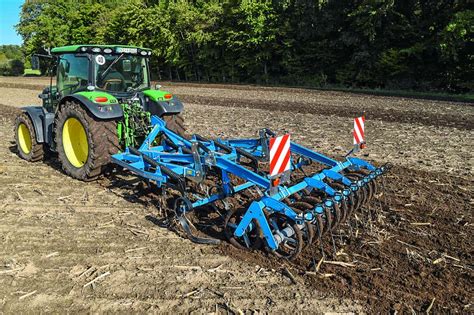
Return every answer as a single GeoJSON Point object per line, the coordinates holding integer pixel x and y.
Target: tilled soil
{"type": "Point", "coordinates": [58, 234]}
{"type": "Point", "coordinates": [412, 247]}
{"type": "Point", "coordinates": [410, 251]}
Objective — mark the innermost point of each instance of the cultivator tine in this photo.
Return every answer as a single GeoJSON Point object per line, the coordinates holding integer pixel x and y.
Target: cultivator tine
{"type": "Point", "coordinates": [333, 243]}
{"type": "Point", "coordinates": [309, 231]}
{"type": "Point", "coordinates": [181, 207]}
{"type": "Point", "coordinates": [200, 240]}
{"type": "Point", "coordinates": [337, 214]}
{"type": "Point", "coordinates": [319, 225]}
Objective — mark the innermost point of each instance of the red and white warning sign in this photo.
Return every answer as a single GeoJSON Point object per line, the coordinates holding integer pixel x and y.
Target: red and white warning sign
{"type": "Point", "coordinates": [279, 154]}
{"type": "Point", "coordinates": [358, 132]}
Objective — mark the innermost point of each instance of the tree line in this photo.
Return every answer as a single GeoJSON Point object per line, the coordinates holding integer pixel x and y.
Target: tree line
{"type": "Point", "coordinates": [392, 44]}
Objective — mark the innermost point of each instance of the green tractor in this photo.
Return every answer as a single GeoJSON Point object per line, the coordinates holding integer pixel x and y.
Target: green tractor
{"type": "Point", "coordinates": [101, 103]}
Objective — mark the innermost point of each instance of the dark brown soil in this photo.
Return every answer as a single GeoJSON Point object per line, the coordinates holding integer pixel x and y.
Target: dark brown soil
{"type": "Point", "coordinates": [415, 246]}
{"type": "Point", "coordinates": [385, 114]}
{"type": "Point", "coordinates": [9, 112]}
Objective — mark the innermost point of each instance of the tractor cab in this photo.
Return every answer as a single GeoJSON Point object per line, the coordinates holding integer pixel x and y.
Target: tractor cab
{"type": "Point", "coordinates": [118, 70]}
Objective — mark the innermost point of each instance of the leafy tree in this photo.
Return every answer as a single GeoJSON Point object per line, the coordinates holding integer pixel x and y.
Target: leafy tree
{"type": "Point", "coordinates": [456, 43]}
{"type": "Point", "coordinates": [410, 44]}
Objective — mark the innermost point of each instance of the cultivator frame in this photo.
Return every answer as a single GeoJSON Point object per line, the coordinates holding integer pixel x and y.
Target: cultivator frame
{"type": "Point", "coordinates": [288, 213]}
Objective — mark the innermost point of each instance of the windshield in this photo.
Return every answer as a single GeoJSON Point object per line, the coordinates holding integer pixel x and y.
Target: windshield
{"type": "Point", "coordinates": [120, 73]}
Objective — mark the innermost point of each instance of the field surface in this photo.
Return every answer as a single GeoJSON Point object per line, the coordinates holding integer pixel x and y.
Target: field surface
{"type": "Point", "coordinates": [73, 246]}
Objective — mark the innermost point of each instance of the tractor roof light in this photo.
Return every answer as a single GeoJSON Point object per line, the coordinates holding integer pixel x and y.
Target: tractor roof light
{"type": "Point", "coordinates": [96, 49]}
{"type": "Point", "coordinates": [83, 49]}
{"type": "Point", "coordinates": [107, 50]}
{"type": "Point", "coordinates": [143, 53]}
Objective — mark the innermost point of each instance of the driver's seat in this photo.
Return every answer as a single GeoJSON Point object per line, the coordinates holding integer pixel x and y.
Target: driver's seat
{"type": "Point", "coordinates": [114, 85]}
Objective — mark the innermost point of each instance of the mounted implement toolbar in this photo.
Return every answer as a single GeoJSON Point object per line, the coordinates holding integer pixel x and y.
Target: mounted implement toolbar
{"type": "Point", "coordinates": [283, 212]}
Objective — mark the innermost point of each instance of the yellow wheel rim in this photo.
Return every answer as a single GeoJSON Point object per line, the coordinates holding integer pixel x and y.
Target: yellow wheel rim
{"type": "Point", "coordinates": [75, 142]}
{"type": "Point", "coordinates": [24, 138]}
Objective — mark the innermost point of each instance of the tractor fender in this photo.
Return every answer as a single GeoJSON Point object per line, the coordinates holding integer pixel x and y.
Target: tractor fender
{"type": "Point", "coordinates": [36, 114]}
{"type": "Point", "coordinates": [42, 122]}
{"type": "Point", "coordinates": [106, 111]}
{"type": "Point", "coordinates": [163, 108]}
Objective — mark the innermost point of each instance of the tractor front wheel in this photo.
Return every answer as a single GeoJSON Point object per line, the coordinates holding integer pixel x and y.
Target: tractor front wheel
{"type": "Point", "coordinates": [25, 137]}
{"type": "Point", "coordinates": [84, 144]}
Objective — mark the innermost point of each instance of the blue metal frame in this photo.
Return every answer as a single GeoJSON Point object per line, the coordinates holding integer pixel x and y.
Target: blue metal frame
{"type": "Point", "coordinates": [208, 154]}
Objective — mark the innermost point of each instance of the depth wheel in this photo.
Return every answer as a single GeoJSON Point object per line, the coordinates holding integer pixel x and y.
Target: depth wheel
{"type": "Point", "coordinates": [251, 240]}
{"type": "Point", "coordinates": [25, 137]}
{"type": "Point", "coordinates": [291, 246]}
{"type": "Point", "coordinates": [84, 144]}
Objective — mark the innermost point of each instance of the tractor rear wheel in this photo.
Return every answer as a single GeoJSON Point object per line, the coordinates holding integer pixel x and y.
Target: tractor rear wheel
{"type": "Point", "coordinates": [25, 136]}
{"type": "Point", "coordinates": [175, 123]}
{"type": "Point", "coordinates": [84, 144]}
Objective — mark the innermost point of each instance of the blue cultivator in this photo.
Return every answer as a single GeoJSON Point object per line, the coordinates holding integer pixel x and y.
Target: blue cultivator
{"type": "Point", "coordinates": [283, 213]}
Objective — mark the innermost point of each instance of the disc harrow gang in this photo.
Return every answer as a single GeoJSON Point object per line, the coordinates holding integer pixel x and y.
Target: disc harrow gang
{"type": "Point", "coordinates": [282, 214]}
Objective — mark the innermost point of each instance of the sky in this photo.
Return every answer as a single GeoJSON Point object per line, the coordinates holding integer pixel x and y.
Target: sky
{"type": "Point", "coordinates": [9, 17]}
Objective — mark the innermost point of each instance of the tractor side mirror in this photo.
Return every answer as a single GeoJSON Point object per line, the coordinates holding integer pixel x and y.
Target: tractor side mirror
{"type": "Point", "coordinates": [67, 66]}
{"type": "Point", "coordinates": [35, 63]}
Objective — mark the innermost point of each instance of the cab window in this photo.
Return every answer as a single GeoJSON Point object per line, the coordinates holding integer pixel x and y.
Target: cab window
{"type": "Point", "coordinates": [72, 72]}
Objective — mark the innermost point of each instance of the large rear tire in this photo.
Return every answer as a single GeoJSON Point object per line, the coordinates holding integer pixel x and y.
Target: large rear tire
{"type": "Point", "coordinates": [84, 143]}
{"type": "Point", "coordinates": [25, 136]}
{"type": "Point", "coordinates": [175, 123]}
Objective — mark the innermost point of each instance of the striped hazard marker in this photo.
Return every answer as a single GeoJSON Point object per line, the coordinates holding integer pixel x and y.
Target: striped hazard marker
{"type": "Point", "coordinates": [279, 154]}
{"type": "Point", "coordinates": [358, 132]}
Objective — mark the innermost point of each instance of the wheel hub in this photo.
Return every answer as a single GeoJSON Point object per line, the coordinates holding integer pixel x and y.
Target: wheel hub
{"type": "Point", "coordinates": [75, 142]}
{"type": "Point", "coordinates": [24, 138]}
